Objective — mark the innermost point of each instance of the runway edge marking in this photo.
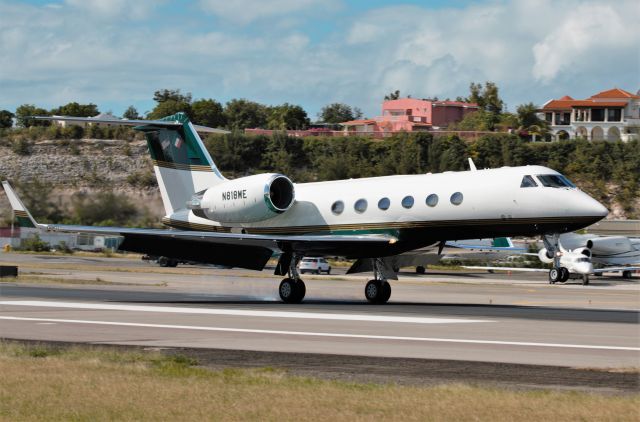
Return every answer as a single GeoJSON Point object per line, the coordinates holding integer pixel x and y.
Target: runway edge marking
{"type": "Point", "coordinates": [320, 334]}
{"type": "Point", "coordinates": [239, 312]}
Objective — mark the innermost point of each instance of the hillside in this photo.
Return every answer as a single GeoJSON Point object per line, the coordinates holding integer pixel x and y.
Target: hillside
{"type": "Point", "coordinates": [55, 176]}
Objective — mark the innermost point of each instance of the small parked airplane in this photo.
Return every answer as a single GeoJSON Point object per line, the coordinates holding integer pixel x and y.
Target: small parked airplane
{"type": "Point", "coordinates": [579, 252]}
{"type": "Point", "coordinates": [245, 221]}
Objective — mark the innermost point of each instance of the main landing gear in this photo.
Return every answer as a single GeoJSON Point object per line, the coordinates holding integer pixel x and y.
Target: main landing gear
{"type": "Point", "coordinates": [377, 290]}
{"type": "Point", "coordinates": [292, 288]}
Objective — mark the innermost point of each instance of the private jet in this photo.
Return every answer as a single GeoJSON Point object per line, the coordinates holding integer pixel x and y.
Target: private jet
{"type": "Point", "coordinates": [245, 221]}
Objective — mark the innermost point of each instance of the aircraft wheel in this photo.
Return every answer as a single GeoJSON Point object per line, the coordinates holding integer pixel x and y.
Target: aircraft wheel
{"type": "Point", "coordinates": [377, 291]}
{"type": "Point", "coordinates": [420, 269]}
{"type": "Point", "coordinates": [564, 274]}
{"type": "Point", "coordinates": [554, 275]}
{"type": "Point", "coordinates": [626, 274]}
{"type": "Point", "coordinates": [585, 280]}
{"type": "Point", "coordinates": [291, 291]}
{"type": "Point", "coordinates": [163, 261]}
{"type": "Point", "coordinates": [329, 271]}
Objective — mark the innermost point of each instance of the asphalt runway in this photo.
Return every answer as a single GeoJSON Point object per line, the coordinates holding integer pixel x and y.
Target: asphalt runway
{"type": "Point", "coordinates": [475, 316]}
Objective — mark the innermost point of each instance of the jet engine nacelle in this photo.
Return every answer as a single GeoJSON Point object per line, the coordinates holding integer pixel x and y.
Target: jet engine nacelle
{"type": "Point", "coordinates": [245, 200]}
{"type": "Point", "coordinates": [610, 245]}
{"type": "Point", "coordinates": [545, 256]}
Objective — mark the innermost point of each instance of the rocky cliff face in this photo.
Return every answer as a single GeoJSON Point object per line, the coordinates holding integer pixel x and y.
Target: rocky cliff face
{"type": "Point", "coordinates": [87, 165]}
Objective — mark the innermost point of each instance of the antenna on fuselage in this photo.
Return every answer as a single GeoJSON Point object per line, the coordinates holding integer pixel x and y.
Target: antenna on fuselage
{"type": "Point", "coordinates": [472, 165]}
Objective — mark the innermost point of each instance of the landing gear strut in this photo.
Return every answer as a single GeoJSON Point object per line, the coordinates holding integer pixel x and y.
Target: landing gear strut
{"type": "Point", "coordinates": [557, 273]}
{"type": "Point", "coordinates": [292, 288]}
{"type": "Point", "coordinates": [377, 290]}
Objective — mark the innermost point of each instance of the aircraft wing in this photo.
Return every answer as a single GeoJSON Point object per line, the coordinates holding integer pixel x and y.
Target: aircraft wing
{"type": "Point", "coordinates": [250, 251]}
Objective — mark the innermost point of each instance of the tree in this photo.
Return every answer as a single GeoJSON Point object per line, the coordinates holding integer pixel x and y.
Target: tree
{"type": "Point", "coordinates": [25, 111]}
{"type": "Point", "coordinates": [208, 113]}
{"type": "Point", "coordinates": [170, 101]}
{"type": "Point", "coordinates": [163, 95]}
{"type": "Point", "coordinates": [287, 116]}
{"type": "Point", "coordinates": [392, 96]}
{"type": "Point", "coordinates": [6, 119]}
{"type": "Point", "coordinates": [338, 113]}
{"type": "Point", "coordinates": [76, 110]}
{"type": "Point", "coordinates": [131, 113]}
{"type": "Point", "coordinates": [242, 114]}
{"type": "Point", "coordinates": [487, 98]}
{"type": "Point", "coordinates": [528, 115]}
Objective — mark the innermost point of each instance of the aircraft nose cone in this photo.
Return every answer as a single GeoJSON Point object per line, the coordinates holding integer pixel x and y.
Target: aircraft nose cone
{"type": "Point", "coordinates": [594, 208]}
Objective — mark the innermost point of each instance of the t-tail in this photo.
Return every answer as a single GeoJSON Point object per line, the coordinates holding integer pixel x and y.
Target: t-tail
{"type": "Point", "coordinates": [181, 162]}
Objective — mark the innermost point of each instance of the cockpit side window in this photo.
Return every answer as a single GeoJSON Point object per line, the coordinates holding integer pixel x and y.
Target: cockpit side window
{"type": "Point", "coordinates": [554, 181]}
{"type": "Point", "coordinates": [528, 182]}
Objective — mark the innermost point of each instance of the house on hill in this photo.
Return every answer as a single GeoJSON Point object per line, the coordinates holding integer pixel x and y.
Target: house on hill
{"type": "Point", "coordinates": [411, 115]}
{"type": "Point", "coordinates": [613, 114]}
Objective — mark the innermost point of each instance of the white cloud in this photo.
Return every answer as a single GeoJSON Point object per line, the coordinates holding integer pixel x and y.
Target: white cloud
{"type": "Point", "coordinates": [533, 50]}
{"type": "Point", "coordinates": [247, 11]}
{"type": "Point", "coordinates": [584, 35]}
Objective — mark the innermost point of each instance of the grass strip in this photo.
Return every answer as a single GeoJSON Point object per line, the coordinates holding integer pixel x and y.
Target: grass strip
{"type": "Point", "coordinates": [44, 382]}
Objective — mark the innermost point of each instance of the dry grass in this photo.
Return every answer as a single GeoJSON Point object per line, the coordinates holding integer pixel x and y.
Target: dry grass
{"type": "Point", "coordinates": [39, 383]}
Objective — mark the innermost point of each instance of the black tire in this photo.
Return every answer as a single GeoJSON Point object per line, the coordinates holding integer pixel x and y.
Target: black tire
{"type": "Point", "coordinates": [626, 274]}
{"type": "Point", "coordinates": [328, 270]}
{"type": "Point", "coordinates": [172, 263]}
{"type": "Point", "coordinates": [291, 291]}
{"type": "Point", "coordinates": [554, 275]}
{"type": "Point", "coordinates": [163, 261]}
{"type": "Point", "coordinates": [564, 274]}
{"type": "Point", "coordinates": [377, 291]}
{"type": "Point", "coordinates": [386, 292]}
{"type": "Point", "coordinates": [585, 280]}
{"type": "Point", "coordinates": [420, 269]}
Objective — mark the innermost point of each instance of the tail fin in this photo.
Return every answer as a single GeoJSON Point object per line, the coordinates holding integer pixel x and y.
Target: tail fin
{"type": "Point", "coordinates": [22, 215]}
{"type": "Point", "coordinates": [181, 162]}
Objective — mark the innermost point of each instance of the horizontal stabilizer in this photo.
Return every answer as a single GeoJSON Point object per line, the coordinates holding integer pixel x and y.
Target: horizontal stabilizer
{"type": "Point", "coordinates": [127, 122]}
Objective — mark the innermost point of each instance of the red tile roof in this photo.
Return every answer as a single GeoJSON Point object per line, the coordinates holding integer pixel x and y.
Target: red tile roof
{"type": "Point", "coordinates": [615, 93]}
{"type": "Point", "coordinates": [566, 98]}
{"type": "Point", "coordinates": [569, 104]}
{"type": "Point", "coordinates": [358, 122]}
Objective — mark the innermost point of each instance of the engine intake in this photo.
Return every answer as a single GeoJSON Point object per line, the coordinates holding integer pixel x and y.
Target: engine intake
{"type": "Point", "coordinates": [245, 200]}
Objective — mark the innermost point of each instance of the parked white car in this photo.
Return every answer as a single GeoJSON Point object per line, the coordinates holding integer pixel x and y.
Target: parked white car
{"type": "Point", "coordinates": [314, 266]}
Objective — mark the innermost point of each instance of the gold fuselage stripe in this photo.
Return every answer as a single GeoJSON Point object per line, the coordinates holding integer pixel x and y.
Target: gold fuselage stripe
{"type": "Point", "coordinates": [369, 226]}
{"type": "Point", "coordinates": [178, 166]}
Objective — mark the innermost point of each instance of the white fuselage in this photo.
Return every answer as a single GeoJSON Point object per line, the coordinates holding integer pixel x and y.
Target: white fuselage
{"type": "Point", "coordinates": [493, 202]}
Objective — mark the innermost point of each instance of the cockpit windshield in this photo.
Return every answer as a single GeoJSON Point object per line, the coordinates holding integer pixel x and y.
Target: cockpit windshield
{"type": "Point", "coordinates": [528, 182]}
{"type": "Point", "coordinates": [555, 181]}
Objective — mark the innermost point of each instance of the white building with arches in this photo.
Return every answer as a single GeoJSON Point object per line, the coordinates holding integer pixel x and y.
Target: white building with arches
{"type": "Point", "coordinates": [608, 115]}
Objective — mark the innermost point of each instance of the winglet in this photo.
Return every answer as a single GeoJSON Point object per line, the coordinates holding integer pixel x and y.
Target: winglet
{"type": "Point", "coordinates": [22, 215]}
{"type": "Point", "coordinates": [472, 165]}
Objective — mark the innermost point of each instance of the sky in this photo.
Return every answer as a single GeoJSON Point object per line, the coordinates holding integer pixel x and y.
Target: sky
{"type": "Point", "coordinates": [116, 53]}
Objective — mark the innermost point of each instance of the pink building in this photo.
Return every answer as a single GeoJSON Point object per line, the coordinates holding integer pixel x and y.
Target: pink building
{"type": "Point", "coordinates": [410, 114]}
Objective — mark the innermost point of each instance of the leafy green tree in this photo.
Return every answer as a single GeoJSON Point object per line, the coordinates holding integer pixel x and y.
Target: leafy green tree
{"type": "Point", "coordinates": [6, 119]}
{"type": "Point", "coordinates": [287, 116]}
{"type": "Point", "coordinates": [163, 95]}
{"type": "Point", "coordinates": [393, 95]}
{"type": "Point", "coordinates": [76, 110]}
{"type": "Point", "coordinates": [528, 115]}
{"type": "Point", "coordinates": [338, 113]}
{"type": "Point", "coordinates": [131, 113]}
{"type": "Point", "coordinates": [242, 114]}
{"type": "Point", "coordinates": [208, 112]}
{"type": "Point", "coordinates": [103, 208]}
{"type": "Point", "coordinates": [25, 111]}
{"type": "Point", "coordinates": [170, 101]}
